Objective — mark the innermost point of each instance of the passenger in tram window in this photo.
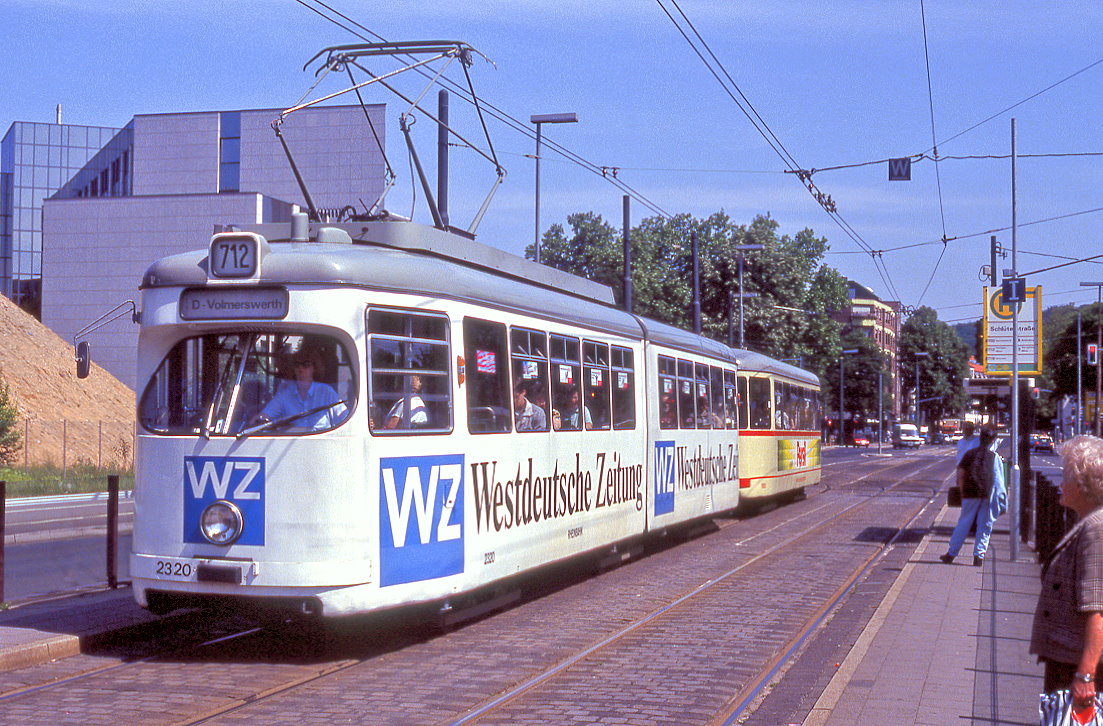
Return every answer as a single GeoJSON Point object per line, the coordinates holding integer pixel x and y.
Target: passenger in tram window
{"type": "Point", "coordinates": [706, 417]}
{"type": "Point", "coordinates": [576, 413]}
{"type": "Point", "coordinates": [304, 393]}
{"type": "Point", "coordinates": [527, 415]}
{"type": "Point", "coordinates": [668, 412]}
{"type": "Point", "coordinates": [418, 416]}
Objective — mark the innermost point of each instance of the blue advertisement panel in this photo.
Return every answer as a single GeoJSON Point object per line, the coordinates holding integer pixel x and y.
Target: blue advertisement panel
{"type": "Point", "coordinates": [664, 477]}
{"type": "Point", "coordinates": [235, 479]}
{"type": "Point", "coordinates": [421, 515]}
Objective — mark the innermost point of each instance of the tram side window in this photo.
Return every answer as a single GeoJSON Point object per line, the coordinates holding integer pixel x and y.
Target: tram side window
{"type": "Point", "coordinates": [759, 398]}
{"type": "Point", "coordinates": [744, 403]}
{"type": "Point", "coordinates": [568, 411]}
{"type": "Point", "coordinates": [705, 418]}
{"type": "Point", "coordinates": [805, 419]}
{"type": "Point", "coordinates": [731, 396]}
{"type": "Point", "coordinates": [529, 349]}
{"type": "Point", "coordinates": [687, 409]}
{"type": "Point", "coordinates": [595, 384]}
{"type": "Point", "coordinates": [487, 374]}
{"type": "Point", "coordinates": [717, 382]}
{"type": "Point", "coordinates": [668, 392]}
{"type": "Point", "coordinates": [624, 388]}
{"type": "Point", "coordinates": [409, 371]}
{"type": "Point", "coordinates": [781, 407]}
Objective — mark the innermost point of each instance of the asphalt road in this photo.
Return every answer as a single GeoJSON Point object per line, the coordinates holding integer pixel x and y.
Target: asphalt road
{"type": "Point", "coordinates": [54, 545]}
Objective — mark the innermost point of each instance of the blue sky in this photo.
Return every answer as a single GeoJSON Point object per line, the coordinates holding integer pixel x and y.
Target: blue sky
{"type": "Point", "coordinates": [838, 83]}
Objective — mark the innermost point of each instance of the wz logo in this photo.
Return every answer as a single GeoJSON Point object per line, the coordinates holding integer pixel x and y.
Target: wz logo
{"type": "Point", "coordinates": [421, 518]}
{"type": "Point", "coordinates": [236, 479]}
{"type": "Point", "coordinates": [664, 477]}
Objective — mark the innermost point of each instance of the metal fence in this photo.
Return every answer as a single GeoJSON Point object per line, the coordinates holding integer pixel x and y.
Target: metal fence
{"type": "Point", "coordinates": [1051, 520]}
{"type": "Point", "coordinates": [69, 444]}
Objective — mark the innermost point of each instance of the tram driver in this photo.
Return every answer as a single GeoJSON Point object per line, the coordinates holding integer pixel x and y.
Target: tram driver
{"type": "Point", "coordinates": [304, 393]}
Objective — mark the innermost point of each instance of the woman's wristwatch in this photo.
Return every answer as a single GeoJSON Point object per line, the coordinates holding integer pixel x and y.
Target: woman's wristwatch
{"type": "Point", "coordinates": [1084, 677]}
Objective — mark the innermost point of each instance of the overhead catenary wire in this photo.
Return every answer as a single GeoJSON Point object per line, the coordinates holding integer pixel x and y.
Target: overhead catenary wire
{"type": "Point", "coordinates": [934, 140]}
{"type": "Point", "coordinates": [986, 232]}
{"type": "Point", "coordinates": [717, 69]}
{"type": "Point", "coordinates": [491, 110]}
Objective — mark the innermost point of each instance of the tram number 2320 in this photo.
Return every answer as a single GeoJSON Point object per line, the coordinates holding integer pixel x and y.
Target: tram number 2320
{"type": "Point", "coordinates": [174, 569]}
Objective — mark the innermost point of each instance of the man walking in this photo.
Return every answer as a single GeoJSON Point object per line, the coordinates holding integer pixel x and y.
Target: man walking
{"type": "Point", "coordinates": [980, 476]}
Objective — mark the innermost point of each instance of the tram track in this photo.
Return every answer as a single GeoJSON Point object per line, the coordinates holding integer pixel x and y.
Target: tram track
{"type": "Point", "coordinates": [769, 542]}
{"type": "Point", "coordinates": [744, 698]}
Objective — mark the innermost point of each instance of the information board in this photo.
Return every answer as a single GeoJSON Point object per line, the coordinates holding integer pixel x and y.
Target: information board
{"type": "Point", "coordinates": [998, 332]}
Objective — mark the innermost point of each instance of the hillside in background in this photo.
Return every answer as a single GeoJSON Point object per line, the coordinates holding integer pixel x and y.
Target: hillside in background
{"type": "Point", "coordinates": [968, 334]}
{"type": "Point", "coordinates": [61, 417]}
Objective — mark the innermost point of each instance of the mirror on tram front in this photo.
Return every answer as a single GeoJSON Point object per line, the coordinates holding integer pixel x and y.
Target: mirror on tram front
{"type": "Point", "coordinates": [84, 358]}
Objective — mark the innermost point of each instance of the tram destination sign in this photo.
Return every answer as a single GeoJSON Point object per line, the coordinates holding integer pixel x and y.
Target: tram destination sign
{"type": "Point", "coordinates": [254, 303]}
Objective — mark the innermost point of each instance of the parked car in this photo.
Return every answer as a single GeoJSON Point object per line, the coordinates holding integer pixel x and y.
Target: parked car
{"type": "Point", "coordinates": [1041, 442]}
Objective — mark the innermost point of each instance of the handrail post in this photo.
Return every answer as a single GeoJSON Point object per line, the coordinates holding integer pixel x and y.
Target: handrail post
{"type": "Point", "coordinates": [112, 529]}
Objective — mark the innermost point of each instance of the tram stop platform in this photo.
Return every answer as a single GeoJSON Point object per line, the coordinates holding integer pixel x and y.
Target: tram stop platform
{"type": "Point", "coordinates": [947, 645]}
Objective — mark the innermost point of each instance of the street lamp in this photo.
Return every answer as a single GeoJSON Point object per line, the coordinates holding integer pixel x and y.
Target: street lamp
{"type": "Point", "coordinates": [1099, 343]}
{"type": "Point", "coordinates": [918, 422]}
{"type": "Point", "coordinates": [540, 119]}
{"type": "Point", "coordinates": [741, 249]}
{"type": "Point", "coordinates": [849, 351]}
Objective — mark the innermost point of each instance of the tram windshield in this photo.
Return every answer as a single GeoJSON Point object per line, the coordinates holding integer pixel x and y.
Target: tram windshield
{"type": "Point", "coordinates": [240, 384]}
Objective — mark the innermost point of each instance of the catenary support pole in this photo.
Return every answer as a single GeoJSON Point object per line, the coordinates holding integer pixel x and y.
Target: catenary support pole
{"type": "Point", "coordinates": [696, 283]}
{"type": "Point", "coordinates": [626, 209]}
{"type": "Point", "coordinates": [1013, 485]}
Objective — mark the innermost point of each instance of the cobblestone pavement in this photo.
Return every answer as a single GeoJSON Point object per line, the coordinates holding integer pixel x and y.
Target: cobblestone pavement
{"type": "Point", "coordinates": [689, 664]}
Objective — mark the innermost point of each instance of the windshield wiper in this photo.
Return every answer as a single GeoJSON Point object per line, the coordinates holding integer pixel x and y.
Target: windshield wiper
{"type": "Point", "coordinates": [287, 419]}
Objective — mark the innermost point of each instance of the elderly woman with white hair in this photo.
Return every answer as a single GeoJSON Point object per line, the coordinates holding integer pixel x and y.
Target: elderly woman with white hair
{"type": "Point", "coordinates": [1068, 623]}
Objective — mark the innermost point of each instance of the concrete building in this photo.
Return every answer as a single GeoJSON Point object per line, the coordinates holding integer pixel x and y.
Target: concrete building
{"type": "Point", "coordinates": [165, 182]}
{"type": "Point", "coordinates": [880, 322]}
{"type": "Point", "coordinates": [36, 159]}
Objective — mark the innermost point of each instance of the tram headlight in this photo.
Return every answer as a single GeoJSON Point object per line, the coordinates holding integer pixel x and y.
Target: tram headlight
{"type": "Point", "coordinates": [221, 523]}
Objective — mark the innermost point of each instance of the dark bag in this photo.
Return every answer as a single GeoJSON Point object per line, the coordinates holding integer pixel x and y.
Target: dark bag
{"type": "Point", "coordinates": [953, 496]}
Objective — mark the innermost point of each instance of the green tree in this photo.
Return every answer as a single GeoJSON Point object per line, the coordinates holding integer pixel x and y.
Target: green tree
{"type": "Point", "coordinates": [1060, 359]}
{"type": "Point", "coordinates": [788, 272]}
{"type": "Point", "coordinates": [941, 371]}
{"type": "Point", "coordinates": [860, 378]}
{"type": "Point", "coordinates": [10, 438]}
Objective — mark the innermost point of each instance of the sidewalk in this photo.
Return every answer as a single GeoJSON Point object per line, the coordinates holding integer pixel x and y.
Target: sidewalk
{"type": "Point", "coordinates": [43, 631]}
{"type": "Point", "coordinates": [948, 644]}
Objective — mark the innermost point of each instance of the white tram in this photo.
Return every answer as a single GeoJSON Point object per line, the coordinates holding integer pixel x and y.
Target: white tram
{"type": "Point", "coordinates": [339, 419]}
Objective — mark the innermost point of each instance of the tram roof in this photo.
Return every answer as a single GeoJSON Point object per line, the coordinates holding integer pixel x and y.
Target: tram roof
{"type": "Point", "coordinates": [449, 266]}
{"type": "Point", "coordinates": [751, 361]}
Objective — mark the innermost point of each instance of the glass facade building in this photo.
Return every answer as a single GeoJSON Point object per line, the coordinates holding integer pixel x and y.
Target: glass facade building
{"type": "Point", "coordinates": [36, 160]}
